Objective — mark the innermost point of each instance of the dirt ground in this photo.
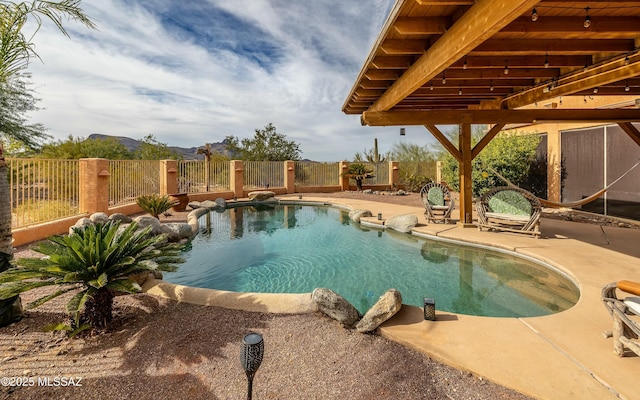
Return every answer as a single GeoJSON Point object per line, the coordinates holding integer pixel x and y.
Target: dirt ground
{"type": "Point", "coordinates": [161, 349]}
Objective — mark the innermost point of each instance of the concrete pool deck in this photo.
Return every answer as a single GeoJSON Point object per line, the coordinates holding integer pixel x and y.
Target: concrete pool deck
{"type": "Point", "coordinates": [560, 356]}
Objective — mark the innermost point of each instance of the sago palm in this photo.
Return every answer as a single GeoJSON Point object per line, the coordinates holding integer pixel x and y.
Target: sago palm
{"type": "Point", "coordinates": [97, 261]}
{"type": "Point", "coordinates": [156, 204]}
{"type": "Point", "coordinates": [358, 172]}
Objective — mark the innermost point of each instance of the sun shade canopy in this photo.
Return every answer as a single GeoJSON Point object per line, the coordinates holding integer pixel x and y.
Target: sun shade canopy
{"type": "Point", "coordinates": [498, 54]}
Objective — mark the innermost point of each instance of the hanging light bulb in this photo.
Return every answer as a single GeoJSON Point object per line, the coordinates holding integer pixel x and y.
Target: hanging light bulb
{"type": "Point", "coordinates": [595, 90]}
{"type": "Point", "coordinates": [585, 99]}
{"type": "Point", "coordinates": [587, 18]}
{"type": "Point", "coordinates": [430, 85]}
{"type": "Point", "coordinates": [534, 15]}
{"type": "Point", "coordinates": [506, 68]}
{"type": "Point", "coordinates": [546, 61]}
{"type": "Point", "coordinates": [626, 60]}
{"type": "Point", "coordinates": [444, 79]}
{"type": "Point", "coordinates": [464, 64]}
{"type": "Point", "coordinates": [460, 91]}
{"type": "Point", "coordinates": [627, 88]}
{"type": "Point", "coordinates": [560, 100]}
{"type": "Point", "coordinates": [491, 86]}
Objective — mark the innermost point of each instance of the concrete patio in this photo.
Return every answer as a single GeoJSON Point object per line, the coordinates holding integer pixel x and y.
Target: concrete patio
{"type": "Point", "coordinates": [560, 356]}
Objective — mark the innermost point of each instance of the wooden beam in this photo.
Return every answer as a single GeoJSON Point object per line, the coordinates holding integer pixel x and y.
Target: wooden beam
{"type": "Point", "coordinates": [614, 71]}
{"type": "Point", "coordinates": [421, 26]}
{"type": "Point", "coordinates": [392, 62]}
{"type": "Point", "coordinates": [396, 46]}
{"type": "Point", "coordinates": [486, 139]}
{"type": "Point", "coordinates": [631, 130]}
{"type": "Point", "coordinates": [479, 23]}
{"type": "Point", "coordinates": [465, 171]}
{"type": "Point", "coordinates": [444, 141]}
{"type": "Point", "coordinates": [523, 47]}
{"type": "Point", "coordinates": [572, 28]}
{"type": "Point", "coordinates": [382, 75]}
{"type": "Point", "coordinates": [528, 116]}
{"type": "Point", "coordinates": [445, 2]}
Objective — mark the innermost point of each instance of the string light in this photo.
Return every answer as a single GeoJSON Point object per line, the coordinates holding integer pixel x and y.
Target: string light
{"type": "Point", "coordinates": [430, 85]}
{"type": "Point", "coordinates": [560, 100]}
{"type": "Point", "coordinates": [491, 86]}
{"type": "Point", "coordinates": [546, 60]}
{"type": "Point", "coordinates": [464, 64]}
{"type": "Point", "coordinates": [627, 88]}
{"type": "Point", "coordinates": [587, 18]}
{"type": "Point", "coordinates": [595, 90]}
{"type": "Point", "coordinates": [506, 68]}
{"type": "Point", "coordinates": [626, 60]}
{"type": "Point", "coordinates": [444, 79]}
{"type": "Point", "coordinates": [585, 99]}
{"type": "Point", "coordinates": [460, 91]}
{"type": "Point", "coordinates": [534, 15]}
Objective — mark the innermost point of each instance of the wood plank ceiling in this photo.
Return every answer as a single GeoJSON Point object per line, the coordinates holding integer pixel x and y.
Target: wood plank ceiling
{"type": "Point", "coordinates": [498, 54]}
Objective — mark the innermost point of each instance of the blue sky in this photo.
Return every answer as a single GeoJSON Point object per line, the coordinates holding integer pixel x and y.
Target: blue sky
{"type": "Point", "coordinates": [191, 72]}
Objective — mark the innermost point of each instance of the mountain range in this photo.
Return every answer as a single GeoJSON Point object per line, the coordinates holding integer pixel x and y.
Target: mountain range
{"type": "Point", "coordinates": [187, 153]}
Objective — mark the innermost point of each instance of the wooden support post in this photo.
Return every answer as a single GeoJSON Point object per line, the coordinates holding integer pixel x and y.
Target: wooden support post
{"type": "Point", "coordinates": [466, 195]}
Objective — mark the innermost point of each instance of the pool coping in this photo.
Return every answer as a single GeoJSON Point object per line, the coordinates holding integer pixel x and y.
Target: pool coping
{"type": "Point", "coordinates": [557, 356]}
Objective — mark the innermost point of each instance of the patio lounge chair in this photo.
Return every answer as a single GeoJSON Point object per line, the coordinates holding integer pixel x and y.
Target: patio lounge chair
{"type": "Point", "coordinates": [509, 209]}
{"type": "Point", "coordinates": [438, 202]}
{"type": "Point", "coordinates": [626, 316]}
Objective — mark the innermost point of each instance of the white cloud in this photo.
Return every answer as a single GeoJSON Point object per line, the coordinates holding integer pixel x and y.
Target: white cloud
{"type": "Point", "coordinates": [194, 72]}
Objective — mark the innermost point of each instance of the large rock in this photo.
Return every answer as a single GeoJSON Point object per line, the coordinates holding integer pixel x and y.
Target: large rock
{"type": "Point", "coordinates": [144, 221]}
{"type": "Point", "coordinates": [355, 215]}
{"type": "Point", "coordinates": [123, 218]}
{"type": "Point", "coordinates": [80, 225]}
{"type": "Point", "coordinates": [335, 306]}
{"type": "Point", "coordinates": [387, 306]}
{"type": "Point", "coordinates": [176, 231]}
{"type": "Point", "coordinates": [401, 223]}
{"type": "Point", "coordinates": [261, 195]}
{"type": "Point", "coordinates": [99, 217]}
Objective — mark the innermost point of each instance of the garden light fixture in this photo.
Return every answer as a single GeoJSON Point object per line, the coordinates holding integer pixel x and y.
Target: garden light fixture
{"type": "Point", "coordinates": [251, 357]}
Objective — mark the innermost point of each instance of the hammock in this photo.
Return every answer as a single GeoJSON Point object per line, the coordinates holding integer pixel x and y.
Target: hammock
{"type": "Point", "coordinates": [572, 204]}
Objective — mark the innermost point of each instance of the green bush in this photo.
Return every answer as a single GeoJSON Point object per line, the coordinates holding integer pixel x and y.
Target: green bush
{"type": "Point", "coordinates": [512, 155]}
{"type": "Point", "coordinates": [97, 262]}
{"type": "Point", "coordinates": [155, 204]}
{"type": "Point", "coordinates": [414, 182]}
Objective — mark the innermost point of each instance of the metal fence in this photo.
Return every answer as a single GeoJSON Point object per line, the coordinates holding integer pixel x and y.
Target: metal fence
{"type": "Point", "coordinates": [195, 177]}
{"type": "Point", "coordinates": [130, 179]}
{"type": "Point", "coordinates": [263, 174]}
{"type": "Point", "coordinates": [310, 173]}
{"type": "Point", "coordinates": [380, 172]}
{"type": "Point", "coordinates": [42, 190]}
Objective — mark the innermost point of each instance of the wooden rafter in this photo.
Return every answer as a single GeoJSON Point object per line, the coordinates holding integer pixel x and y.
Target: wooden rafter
{"type": "Point", "coordinates": [444, 141]}
{"type": "Point", "coordinates": [486, 139]}
{"type": "Point", "coordinates": [631, 130]}
{"type": "Point", "coordinates": [528, 116]}
{"type": "Point", "coordinates": [479, 23]}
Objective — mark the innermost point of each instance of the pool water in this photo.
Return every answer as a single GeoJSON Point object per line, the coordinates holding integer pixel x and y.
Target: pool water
{"type": "Point", "coordinates": [295, 249]}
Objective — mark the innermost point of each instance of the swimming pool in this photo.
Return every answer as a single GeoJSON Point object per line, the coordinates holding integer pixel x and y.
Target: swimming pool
{"type": "Point", "coordinates": [297, 248]}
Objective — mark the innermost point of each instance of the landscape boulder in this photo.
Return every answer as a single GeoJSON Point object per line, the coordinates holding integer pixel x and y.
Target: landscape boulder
{"type": "Point", "coordinates": [123, 218]}
{"type": "Point", "coordinates": [144, 221]}
{"type": "Point", "coordinates": [176, 231]}
{"type": "Point", "coordinates": [80, 224]}
{"type": "Point", "coordinates": [335, 306]}
{"type": "Point", "coordinates": [355, 215]}
{"type": "Point", "coordinates": [261, 195]}
{"type": "Point", "coordinates": [386, 307]}
{"type": "Point", "coordinates": [401, 223]}
{"type": "Point", "coordinates": [99, 217]}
